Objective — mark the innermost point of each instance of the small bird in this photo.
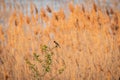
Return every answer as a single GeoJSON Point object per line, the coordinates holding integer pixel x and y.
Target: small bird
{"type": "Point", "coordinates": [57, 45]}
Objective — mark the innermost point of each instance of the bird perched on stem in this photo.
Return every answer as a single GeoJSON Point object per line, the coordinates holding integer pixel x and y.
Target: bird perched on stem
{"type": "Point", "coordinates": [57, 45]}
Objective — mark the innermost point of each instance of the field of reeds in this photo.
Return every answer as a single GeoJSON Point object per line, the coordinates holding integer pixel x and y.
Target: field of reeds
{"type": "Point", "coordinates": [89, 42]}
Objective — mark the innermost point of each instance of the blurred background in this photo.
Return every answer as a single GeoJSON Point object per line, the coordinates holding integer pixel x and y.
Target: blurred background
{"type": "Point", "coordinates": [89, 36]}
{"type": "Point", "coordinates": [24, 5]}
{"type": "Point", "coordinates": [8, 6]}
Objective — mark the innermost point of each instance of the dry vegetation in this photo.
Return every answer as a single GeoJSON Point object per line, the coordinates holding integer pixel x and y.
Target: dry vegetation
{"type": "Point", "coordinates": [89, 41]}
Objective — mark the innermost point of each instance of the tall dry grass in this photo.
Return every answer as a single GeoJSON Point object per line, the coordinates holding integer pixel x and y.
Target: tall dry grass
{"type": "Point", "coordinates": [89, 40]}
